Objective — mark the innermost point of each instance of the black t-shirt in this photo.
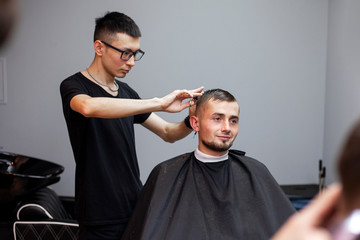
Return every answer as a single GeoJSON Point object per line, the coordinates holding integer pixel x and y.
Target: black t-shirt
{"type": "Point", "coordinates": [107, 180]}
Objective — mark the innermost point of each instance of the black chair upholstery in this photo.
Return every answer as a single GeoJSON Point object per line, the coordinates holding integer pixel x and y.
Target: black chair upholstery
{"type": "Point", "coordinates": [43, 216]}
{"type": "Point", "coordinates": [27, 230]}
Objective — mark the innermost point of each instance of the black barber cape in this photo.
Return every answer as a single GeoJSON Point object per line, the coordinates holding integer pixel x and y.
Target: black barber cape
{"type": "Point", "coordinates": [185, 198]}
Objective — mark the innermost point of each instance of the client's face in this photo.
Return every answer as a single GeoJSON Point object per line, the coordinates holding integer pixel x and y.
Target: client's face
{"type": "Point", "coordinates": [218, 126]}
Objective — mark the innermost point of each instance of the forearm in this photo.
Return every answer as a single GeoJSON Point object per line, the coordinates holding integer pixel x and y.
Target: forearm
{"type": "Point", "coordinates": [169, 132]}
{"type": "Point", "coordinates": [113, 107]}
{"type": "Point", "coordinates": [176, 131]}
{"type": "Point", "coordinates": [103, 107]}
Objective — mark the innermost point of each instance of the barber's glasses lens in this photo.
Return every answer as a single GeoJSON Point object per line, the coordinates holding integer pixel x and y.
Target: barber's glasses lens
{"type": "Point", "coordinates": [138, 55]}
{"type": "Point", "coordinates": [126, 55]}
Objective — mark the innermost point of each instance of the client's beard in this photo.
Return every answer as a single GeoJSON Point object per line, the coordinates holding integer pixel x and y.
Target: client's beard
{"type": "Point", "coordinates": [217, 147]}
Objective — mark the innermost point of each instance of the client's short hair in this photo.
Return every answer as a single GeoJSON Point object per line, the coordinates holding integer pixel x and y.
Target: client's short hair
{"type": "Point", "coordinates": [216, 94]}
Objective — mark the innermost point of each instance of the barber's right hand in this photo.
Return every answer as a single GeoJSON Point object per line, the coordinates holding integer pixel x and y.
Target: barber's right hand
{"type": "Point", "coordinates": [173, 102]}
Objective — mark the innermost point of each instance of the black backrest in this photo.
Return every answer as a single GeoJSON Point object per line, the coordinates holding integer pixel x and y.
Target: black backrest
{"type": "Point", "coordinates": [44, 204]}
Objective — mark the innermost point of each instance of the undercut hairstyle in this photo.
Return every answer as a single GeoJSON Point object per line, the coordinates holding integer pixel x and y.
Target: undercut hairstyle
{"type": "Point", "coordinates": [112, 23]}
{"type": "Point", "coordinates": [349, 164]}
{"type": "Point", "coordinates": [214, 95]}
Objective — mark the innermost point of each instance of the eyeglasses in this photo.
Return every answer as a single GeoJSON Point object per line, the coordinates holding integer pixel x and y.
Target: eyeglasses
{"type": "Point", "coordinates": [127, 54]}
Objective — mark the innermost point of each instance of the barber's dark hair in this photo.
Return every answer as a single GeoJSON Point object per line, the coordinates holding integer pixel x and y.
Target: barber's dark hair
{"type": "Point", "coordinates": [349, 164]}
{"type": "Point", "coordinates": [112, 23]}
{"type": "Point", "coordinates": [216, 94]}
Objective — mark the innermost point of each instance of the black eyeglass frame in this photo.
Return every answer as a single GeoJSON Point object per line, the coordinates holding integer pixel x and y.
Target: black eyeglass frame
{"type": "Point", "coordinates": [122, 52]}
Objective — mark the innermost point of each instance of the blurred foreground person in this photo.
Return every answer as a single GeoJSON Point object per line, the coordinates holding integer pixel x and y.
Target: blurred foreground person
{"type": "Point", "coordinates": [335, 214]}
{"type": "Point", "coordinates": [310, 222]}
{"type": "Point", "coordinates": [346, 223]}
{"type": "Point", "coordinates": [8, 13]}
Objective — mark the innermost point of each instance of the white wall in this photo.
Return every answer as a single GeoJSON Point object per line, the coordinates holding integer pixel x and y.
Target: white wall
{"type": "Point", "coordinates": [343, 71]}
{"type": "Point", "coordinates": [270, 54]}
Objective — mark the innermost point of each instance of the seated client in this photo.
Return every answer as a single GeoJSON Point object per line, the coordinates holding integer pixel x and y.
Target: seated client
{"type": "Point", "coordinates": [213, 192]}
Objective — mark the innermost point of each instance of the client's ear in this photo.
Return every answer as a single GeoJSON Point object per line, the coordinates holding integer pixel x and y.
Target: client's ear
{"type": "Point", "coordinates": [194, 122]}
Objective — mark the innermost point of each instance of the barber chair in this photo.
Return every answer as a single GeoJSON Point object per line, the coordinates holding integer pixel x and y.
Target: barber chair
{"type": "Point", "coordinates": [28, 205]}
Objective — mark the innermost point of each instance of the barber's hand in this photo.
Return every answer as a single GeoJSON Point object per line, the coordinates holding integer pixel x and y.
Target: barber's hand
{"type": "Point", "coordinates": [308, 223]}
{"type": "Point", "coordinates": [173, 102]}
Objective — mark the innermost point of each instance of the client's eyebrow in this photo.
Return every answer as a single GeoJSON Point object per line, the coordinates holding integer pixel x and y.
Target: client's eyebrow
{"type": "Point", "coordinates": [218, 114]}
{"type": "Point", "coordinates": [222, 114]}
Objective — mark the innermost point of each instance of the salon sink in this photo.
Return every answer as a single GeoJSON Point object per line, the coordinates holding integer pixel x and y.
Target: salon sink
{"type": "Point", "coordinates": [21, 175]}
